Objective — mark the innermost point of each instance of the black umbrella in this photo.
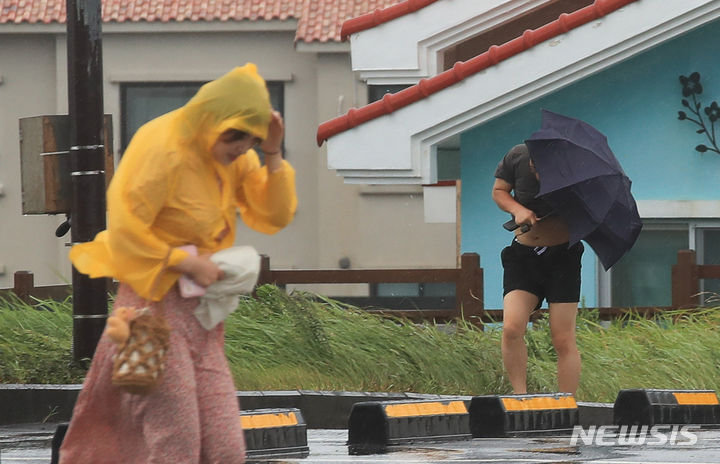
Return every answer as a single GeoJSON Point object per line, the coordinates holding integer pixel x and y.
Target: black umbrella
{"type": "Point", "coordinates": [585, 184]}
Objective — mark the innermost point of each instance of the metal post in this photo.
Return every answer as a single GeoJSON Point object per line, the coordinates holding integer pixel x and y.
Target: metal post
{"type": "Point", "coordinates": [85, 98]}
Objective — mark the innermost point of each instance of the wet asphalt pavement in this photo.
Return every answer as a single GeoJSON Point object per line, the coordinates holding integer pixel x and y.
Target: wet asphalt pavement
{"type": "Point", "coordinates": [30, 444]}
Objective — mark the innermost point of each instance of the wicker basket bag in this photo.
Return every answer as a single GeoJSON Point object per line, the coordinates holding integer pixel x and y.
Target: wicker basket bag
{"type": "Point", "coordinates": [139, 362]}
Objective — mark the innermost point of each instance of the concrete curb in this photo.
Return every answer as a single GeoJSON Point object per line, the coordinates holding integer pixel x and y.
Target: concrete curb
{"type": "Point", "coordinates": [595, 413]}
{"type": "Point", "coordinates": [25, 403]}
{"type": "Point", "coordinates": [22, 404]}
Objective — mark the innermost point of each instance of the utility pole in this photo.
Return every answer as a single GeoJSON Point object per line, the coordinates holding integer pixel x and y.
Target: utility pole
{"type": "Point", "coordinates": [87, 158]}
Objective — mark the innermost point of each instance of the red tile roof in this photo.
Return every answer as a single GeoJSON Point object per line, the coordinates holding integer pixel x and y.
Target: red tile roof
{"type": "Point", "coordinates": [464, 69]}
{"type": "Point", "coordinates": [377, 17]}
{"type": "Point", "coordinates": [322, 20]}
{"type": "Point", "coordinates": [318, 20]}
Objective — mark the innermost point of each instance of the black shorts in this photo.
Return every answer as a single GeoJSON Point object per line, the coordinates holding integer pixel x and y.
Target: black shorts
{"type": "Point", "coordinates": [551, 273]}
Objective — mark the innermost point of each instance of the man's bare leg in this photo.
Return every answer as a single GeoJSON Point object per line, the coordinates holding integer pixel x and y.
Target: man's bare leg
{"type": "Point", "coordinates": [562, 328]}
{"type": "Point", "coordinates": [517, 306]}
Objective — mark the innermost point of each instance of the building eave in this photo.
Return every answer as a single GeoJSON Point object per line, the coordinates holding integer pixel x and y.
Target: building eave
{"type": "Point", "coordinates": [413, 44]}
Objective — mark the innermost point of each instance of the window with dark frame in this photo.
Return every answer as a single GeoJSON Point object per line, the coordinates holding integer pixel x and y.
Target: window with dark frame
{"type": "Point", "coordinates": [376, 92]}
{"type": "Point", "coordinates": [141, 102]}
{"type": "Point", "coordinates": [708, 247]}
{"type": "Point", "coordinates": [642, 277]}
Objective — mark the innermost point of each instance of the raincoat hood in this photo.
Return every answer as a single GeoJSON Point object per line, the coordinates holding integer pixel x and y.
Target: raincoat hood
{"type": "Point", "coordinates": [238, 100]}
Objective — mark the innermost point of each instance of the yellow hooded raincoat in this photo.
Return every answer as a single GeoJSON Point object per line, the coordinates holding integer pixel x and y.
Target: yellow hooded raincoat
{"type": "Point", "coordinates": [169, 191]}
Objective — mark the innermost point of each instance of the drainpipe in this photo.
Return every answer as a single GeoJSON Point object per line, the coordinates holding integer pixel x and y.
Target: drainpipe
{"type": "Point", "coordinates": [87, 153]}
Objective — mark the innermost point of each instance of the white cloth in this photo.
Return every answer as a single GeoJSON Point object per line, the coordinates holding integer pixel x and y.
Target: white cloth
{"type": "Point", "coordinates": [241, 266]}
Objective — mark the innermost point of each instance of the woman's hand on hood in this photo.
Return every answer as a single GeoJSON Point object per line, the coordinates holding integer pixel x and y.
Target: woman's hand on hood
{"type": "Point", "coordinates": [276, 130]}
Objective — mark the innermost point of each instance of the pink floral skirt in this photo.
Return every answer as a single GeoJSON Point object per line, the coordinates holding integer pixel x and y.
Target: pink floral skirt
{"type": "Point", "coordinates": [192, 416]}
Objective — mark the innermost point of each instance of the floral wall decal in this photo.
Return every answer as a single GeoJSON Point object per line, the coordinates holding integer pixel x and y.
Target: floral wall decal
{"type": "Point", "coordinates": [691, 87]}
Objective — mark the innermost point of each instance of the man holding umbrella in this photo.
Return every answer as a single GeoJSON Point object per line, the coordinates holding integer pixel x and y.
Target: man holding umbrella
{"type": "Point", "coordinates": [538, 264]}
{"type": "Point", "coordinates": [567, 186]}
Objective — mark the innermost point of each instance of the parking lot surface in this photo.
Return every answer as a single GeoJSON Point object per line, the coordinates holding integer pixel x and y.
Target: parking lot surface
{"type": "Point", "coordinates": [30, 444]}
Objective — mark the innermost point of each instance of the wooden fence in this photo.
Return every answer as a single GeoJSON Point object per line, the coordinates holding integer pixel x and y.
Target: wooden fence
{"type": "Point", "coordinates": [468, 280]}
{"type": "Point", "coordinates": [25, 289]}
{"type": "Point", "coordinates": [686, 275]}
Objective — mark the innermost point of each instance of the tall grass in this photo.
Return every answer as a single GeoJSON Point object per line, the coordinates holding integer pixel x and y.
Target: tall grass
{"type": "Point", "coordinates": [35, 344]}
{"type": "Point", "coordinates": [293, 342]}
{"type": "Point", "coordinates": [281, 342]}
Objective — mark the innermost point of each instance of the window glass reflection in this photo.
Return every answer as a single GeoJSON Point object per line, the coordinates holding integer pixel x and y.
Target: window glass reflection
{"type": "Point", "coordinates": [643, 276]}
{"type": "Point", "coordinates": [711, 255]}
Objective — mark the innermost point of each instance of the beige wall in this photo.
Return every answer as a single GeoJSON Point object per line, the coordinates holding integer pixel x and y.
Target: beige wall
{"type": "Point", "coordinates": [27, 67]}
{"type": "Point", "coordinates": [373, 226]}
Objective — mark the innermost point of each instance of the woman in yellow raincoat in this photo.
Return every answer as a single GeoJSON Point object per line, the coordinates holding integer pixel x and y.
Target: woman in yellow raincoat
{"type": "Point", "coordinates": [181, 181]}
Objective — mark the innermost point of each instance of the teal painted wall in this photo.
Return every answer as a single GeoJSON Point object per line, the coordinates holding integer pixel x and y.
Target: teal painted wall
{"type": "Point", "coordinates": [634, 103]}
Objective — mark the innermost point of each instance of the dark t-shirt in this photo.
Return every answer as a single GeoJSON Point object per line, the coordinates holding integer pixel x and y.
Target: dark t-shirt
{"type": "Point", "coordinates": [515, 169]}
